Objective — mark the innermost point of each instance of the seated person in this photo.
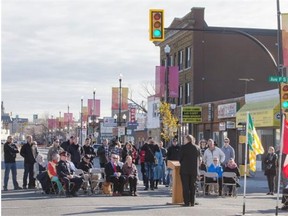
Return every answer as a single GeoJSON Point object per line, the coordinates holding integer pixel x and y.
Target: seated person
{"type": "Point", "coordinates": [115, 175]}
{"type": "Point", "coordinates": [72, 166]}
{"type": "Point", "coordinates": [285, 198]}
{"type": "Point", "coordinates": [202, 167]}
{"type": "Point", "coordinates": [52, 171]}
{"type": "Point", "coordinates": [86, 165]}
{"type": "Point", "coordinates": [231, 167]}
{"type": "Point", "coordinates": [66, 176]}
{"type": "Point", "coordinates": [215, 167]}
{"type": "Point", "coordinates": [130, 171]}
{"type": "Point", "coordinates": [40, 165]}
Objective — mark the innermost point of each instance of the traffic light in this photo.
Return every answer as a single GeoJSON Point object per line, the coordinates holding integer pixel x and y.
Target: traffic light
{"type": "Point", "coordinates": [284, 96]}
{"type": "Point", "coordinates": [156, 25]}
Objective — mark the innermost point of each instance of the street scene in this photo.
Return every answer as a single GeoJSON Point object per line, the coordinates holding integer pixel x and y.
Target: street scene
{"type": "Point", "coordinates": [156, 107]}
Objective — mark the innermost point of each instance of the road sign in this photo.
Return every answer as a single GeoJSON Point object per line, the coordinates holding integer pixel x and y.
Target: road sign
{"type": "Point", "coordinates": [191, 114]}
{"type": "Point", "coordinates": [278, 79]}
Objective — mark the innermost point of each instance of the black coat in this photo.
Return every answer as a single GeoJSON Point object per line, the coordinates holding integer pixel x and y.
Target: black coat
{"type": "Point", "coordinates": [10, 151]}
{"type": "Point", "coordinates": [270, 164]}
{"type": "Point", "coordinates": [189, 159]}
{"type": "Point", "coordinates": [62, 169]}
{"type": "Point", "coordinates": [173, 152]}
{"type": "Point", "coordinates": [102, 154]}
{"type": "Point", "coordinates": [26, 153]}
{"type": "Point", "coordinates": [74, 150]}
{"type": "Point", "coordinates": [149, 152]}
{"type": "Point", "coordinates": [109, 170]}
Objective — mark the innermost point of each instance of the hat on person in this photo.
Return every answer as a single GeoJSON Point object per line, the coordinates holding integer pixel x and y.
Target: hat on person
{"type": "Point", "coordinates": [64, 153]}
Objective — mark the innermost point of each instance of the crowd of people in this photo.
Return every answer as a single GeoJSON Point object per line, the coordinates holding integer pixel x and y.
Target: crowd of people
{"type": "Point", "coordinates": [119, 161]}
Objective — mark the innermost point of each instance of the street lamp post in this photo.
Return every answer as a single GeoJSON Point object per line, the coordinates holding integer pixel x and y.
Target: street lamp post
{"type": "Point", "coordinates": [246, 80]}
{"type": "Point", "coordinates": [120, 100]}
{"type": "Point", "coordinates": [81, 121]}
{"type": "Point", "coordinates": [167, 52]}
{"type": "Point", "coordinates": [93, 112]}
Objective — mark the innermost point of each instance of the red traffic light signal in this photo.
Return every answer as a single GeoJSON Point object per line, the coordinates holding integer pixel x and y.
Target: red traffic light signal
{"type": "Point", "coordinates": [156, 25]}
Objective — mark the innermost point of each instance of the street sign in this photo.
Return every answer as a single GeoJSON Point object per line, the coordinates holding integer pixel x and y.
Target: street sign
{"type": "Point", "coordinates": [278, 79]}
{"type": "Point", "coordinates": [191, 114]}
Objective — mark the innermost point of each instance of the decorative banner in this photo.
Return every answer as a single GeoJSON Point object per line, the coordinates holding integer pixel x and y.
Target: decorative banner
{"type": "Point", "coordinates": [96, 111]}
{"type": "Point", "coordinates": [160, 81]}
{"type": "Point", "coordinates": [115, 98]}
{"type": "Point", "coordinates": [68, 117]}
{"type": "Point", "coordinates": [132, 114]}
{"type": "Point", "coordinates": [173, 81]}
{"type": "Point", "coordinates": [285, 38]}
{"type": "Point", "coordinates": [52, 123]}
{"type": "Point", "coordinates": [85, 114]}
{"type": "Point", "coordinates": [60, 122]}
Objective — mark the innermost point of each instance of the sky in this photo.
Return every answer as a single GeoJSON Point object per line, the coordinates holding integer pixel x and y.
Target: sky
{"type": "Point", "coordinates": [54, 52]}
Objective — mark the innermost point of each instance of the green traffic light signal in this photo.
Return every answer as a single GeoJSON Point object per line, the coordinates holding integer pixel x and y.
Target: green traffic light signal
{"type": "Point", "coordinates": [157, 33]}
{"type": "Point", "coordinates": [285, 105]}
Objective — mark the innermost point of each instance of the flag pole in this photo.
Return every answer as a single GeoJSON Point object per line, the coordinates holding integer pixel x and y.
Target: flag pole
{"type": "Point", "coordinates": [245, 165]}
{"type": "Point", "coordinates": [280, 163]}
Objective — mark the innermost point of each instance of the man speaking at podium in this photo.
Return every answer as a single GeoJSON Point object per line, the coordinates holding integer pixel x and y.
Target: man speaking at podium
{"type": "Point", "coordinates": [188, 158]}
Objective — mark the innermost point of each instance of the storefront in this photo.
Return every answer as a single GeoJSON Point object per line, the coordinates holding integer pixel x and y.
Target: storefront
{"type": "Point", "coordinates": [266, 118]}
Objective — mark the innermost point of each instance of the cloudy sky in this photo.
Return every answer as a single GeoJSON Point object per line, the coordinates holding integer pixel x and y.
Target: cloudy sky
{"type": "Point", "coordinates": [56, 51]}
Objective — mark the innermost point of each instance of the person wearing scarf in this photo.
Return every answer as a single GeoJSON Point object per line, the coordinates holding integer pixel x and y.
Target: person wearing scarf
{"type": "Point", "coordinates": [270, 170]}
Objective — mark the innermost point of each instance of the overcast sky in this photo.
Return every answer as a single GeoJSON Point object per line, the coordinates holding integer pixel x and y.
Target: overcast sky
{"type": "Point", "coordinates": [56, 51]}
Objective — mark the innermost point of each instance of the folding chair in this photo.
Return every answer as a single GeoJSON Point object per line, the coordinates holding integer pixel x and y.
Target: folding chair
{"type": "Point", "coordinates": [210, 179]}
{"type": "Point", "coordinates": [200, 182]}
{"type": "Point", "coordinates": [98, 177]}
{"type": "Point", "coordinates": [229, 179]}
{"type": "Point", "coordinates": [86, 179]}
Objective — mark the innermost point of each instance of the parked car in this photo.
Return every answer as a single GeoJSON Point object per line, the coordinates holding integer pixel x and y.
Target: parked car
{"type": "Point", "coordinates": [95, 147]}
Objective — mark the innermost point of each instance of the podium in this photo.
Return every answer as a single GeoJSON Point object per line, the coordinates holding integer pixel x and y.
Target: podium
{"type": "Point", "coordinates": [177, 194]}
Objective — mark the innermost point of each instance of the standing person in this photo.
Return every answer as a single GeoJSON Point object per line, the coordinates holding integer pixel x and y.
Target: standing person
{"type": "Point", "coordinates": [270, 169]}
{"type": "Point", "coordinates": [74, 150]}
{"type": "Point", "coordinates": [203, 146]}
{"type": "Point", "coordinates": [87, 149]}
{"type": "Point", "coordinates": [172, 154]}
{"type": "Point", "coordinates": [211, 152]}
{"type": "Point", "coordinates": [164, 155]}
{"type": "Point", "coordinates": [67, 143]}
{"type": "Point", "coordinates": [158, 166]}
{"type": "Point", "coordinates": [142, 165]}
{"type": "Point", "coordinates": [54, 149]}
{"type": "Point", "coordinates": [228, 150]}
{"type": "Point", "coordinates": [189, 160]}
{"type": "Point", "coordinates": [149, 163]}
{"type": "Point", "coordinates": [10, 151]}
{"type": "Point", "coordinates": [27, 152]}
{"type": "Point", "coordinates": [103, 153]}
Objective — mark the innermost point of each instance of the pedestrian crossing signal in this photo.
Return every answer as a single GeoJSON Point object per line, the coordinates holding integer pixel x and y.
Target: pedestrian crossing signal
{"type": "Point", "coordinates": [156, 25]}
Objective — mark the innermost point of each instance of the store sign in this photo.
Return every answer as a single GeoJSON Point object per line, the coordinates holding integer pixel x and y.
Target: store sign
{"type": "Point", "coordinates": [191, 114]}
{"type": "Point", "coordinates": [230, 125]}
{"type": "Point", "coordinates": [222, 126]}
{"type": "Point", "coordinates": [227, 110]}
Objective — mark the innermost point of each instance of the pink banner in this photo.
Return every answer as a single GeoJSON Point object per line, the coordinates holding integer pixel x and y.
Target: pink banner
{"type": "Point", "coordinates": [173, 81]}
{"type": "Point", "coordinates": [115, 98]}
{"type": "Point", "coordinates": [132, 114]}
{"type": "Point", "coordinates": [160, 81]}
{"type": "Point", "coordinates": [96, 111]}
{"type": "Point", "coordinates": [68, 117]}
{"type": "Point", "coordinates": [52, 123]}
{"type": "Point", "coordinates": [285, 38]}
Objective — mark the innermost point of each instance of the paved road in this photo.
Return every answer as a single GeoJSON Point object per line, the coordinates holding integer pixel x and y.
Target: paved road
{"type": "Point", "coordinates": [29, 202]}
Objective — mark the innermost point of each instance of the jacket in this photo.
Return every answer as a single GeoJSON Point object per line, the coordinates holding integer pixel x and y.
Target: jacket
{"type": "Point", "coordinates": [218, 169]}
{"type": "Point", "coordinates": [209, 155]}
{"type": "Point", "coordinates": [173, 153]}
{"type": "Point", "coordinates": [74, 150]}
{"type": "Point", "coordinates": [270, 164]}
{"type": "Point", "coordinates": [229, 153]}
{"type": "Point", "coordinates": [27, 154]}
{"type": "Point", "coordinates": [109, 171]}
{"type": "Point", "coordinates": [189, 157]}
{"type": "Point", "coordinates": [10, 151]}
{"type": "Point", "coordinates": [101, 152]}
{"type": "Point", "coordinates": [62, 169]}
{"type": "Point", "coordinates": [149, 152]}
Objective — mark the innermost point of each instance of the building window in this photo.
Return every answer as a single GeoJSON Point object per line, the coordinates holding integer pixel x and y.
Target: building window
{"type": "Point", "coordinates": [187, 93]}
{"type": "Point", "coordinates": [180, 60]}
{"type": "Point", "coordinates": [187, 57]}
{"type": "Point", "coordinates": [163, 62]}
{"type": "Point", "coordinates": [155, 110]}
{"type": "Point", "coordinates": [180, 99]}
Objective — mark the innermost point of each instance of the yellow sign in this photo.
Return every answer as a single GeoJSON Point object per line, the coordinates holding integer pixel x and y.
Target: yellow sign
{"type": "Point", "coordinates": [191, 114]}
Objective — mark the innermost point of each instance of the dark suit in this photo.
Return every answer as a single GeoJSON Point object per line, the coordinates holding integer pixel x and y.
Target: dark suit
{"type": "Point", "coordinates": [188, 158]}
{"type": "Point", "coordinates": [118, 181]}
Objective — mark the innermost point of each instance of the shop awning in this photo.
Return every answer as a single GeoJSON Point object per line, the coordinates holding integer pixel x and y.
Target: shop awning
{"type": "Point", "coordinates": [264, 113]}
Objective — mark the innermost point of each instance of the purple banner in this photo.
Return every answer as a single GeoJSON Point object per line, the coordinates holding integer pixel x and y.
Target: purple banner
{"type": "Point", "coordinates": [173, 81]}
{"type": "Point", "coordinates": [160, 81]}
